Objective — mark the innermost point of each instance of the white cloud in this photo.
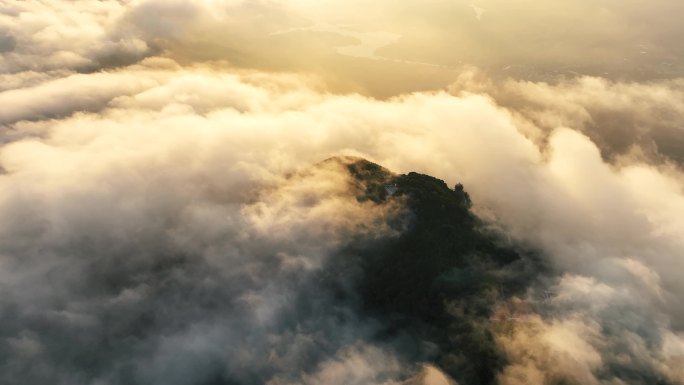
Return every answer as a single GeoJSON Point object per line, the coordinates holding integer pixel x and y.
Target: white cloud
{"type": "Point", "coordinates": [201, 174]}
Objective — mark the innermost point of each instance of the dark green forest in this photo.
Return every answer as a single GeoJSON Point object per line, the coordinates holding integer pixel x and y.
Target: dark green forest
{"type": "Point", "coordinates": [434, 286]}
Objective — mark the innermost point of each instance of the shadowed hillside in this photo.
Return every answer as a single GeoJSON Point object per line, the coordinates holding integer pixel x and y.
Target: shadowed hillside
{"type": "Point", "coordinates": [434, 286]}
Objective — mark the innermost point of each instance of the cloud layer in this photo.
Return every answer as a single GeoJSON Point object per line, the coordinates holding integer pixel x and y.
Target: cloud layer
{"type": "Point", "coordinates": [162, 220]}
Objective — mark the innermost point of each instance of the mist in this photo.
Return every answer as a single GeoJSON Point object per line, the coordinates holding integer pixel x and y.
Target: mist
{"type": "Point", "coordinates": [166, 217]}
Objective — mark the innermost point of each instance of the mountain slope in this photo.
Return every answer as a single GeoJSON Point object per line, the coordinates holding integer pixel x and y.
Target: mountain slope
{"type": "Point", "coordinates": [435, 285]}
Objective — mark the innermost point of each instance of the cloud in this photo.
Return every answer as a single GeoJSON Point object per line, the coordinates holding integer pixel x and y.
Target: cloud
{"type": "Point", "coordinates": [147, 282]}
{"type": "Point", "coordinates": [524, 39]}
{"type": "Point", "coordinates": [169, 204]}
{"type": "Point", "coordinates": [542, 353]}
{"type": "Point", "coordinates": [593, 333]}
{"type": "Point", "coordinates": [621, 118]}
{"type": "Point", "coordinates": [380, 49]}
{"type": "Point", "coordinates": [354, 365]}
{"type": "Point", "coordinates": [44, 35]}
{"type": "Point", "coordinates": [165, 216]}
{"type": "Point", "coordinates": [64, 96]}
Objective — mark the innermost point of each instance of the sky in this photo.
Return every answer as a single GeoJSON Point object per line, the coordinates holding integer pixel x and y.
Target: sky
{"type": "Point", "coordinates": [158, 157]}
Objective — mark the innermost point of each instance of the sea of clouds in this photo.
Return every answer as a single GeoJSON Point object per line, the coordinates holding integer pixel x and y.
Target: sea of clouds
{"type": "Point", "coordinates": [161, 221]}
